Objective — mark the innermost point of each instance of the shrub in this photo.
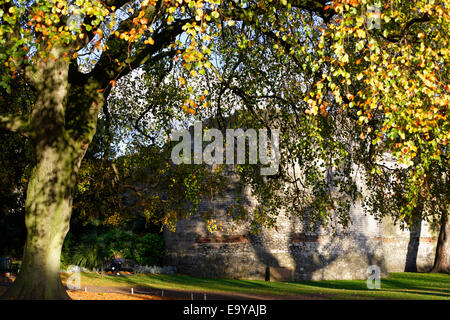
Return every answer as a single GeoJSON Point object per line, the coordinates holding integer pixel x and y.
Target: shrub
{"type": "Point", "coordinates": [87, 256]}
{"type": "Point", "coordinates": [92, 249]}
{"type": "Point", "coordinates": [118, 241]}
{"type": "Point", "coordinates": [150, 250]}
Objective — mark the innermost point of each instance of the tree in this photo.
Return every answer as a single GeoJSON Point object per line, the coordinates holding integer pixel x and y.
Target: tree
{"type": "Point", "coordinates": [390, 70]}
{"type": "Point", "coordinates": [71, 53]}
{"type": "Point", "coordinates": [267, 81]}
{"type": "Point", "coordinates": [42, 42]}
{"type": "Point", "coordinates": [362, 105]}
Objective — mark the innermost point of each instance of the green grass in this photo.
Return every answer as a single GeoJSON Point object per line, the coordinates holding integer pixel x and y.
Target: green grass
{"type": "Point", "coordinates": [396, 286]}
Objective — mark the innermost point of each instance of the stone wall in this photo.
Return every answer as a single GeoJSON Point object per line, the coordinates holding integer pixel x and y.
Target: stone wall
{"type": "Point", "coordinates": [235, 253]}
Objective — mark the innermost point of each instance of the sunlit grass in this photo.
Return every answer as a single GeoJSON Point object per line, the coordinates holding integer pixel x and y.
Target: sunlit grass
{"type": "Point", "coordinates": [396, 286]}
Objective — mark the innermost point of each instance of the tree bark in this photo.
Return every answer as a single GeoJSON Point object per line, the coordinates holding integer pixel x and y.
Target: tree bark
{"type": "Point", "coordinates": [51, 185]}
{"type": "Point", "coordinates": [442, 258]}
{"type": "Point", "coordinates": [48, 210]}
{"type": "Point", "coordinates": [413, 247]}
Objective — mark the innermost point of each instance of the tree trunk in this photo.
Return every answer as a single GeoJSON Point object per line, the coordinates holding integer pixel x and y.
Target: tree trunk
{"type": "Point", "coordinates": [51, 186]}
{"type": "Point", "coordinates": [413, 247]}
{"type": "Point", "coordinates": [48, 210]}
{"type": "Point", "coordinates": [442, 258]}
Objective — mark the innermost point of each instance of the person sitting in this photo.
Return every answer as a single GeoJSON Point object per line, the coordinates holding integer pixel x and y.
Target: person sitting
{"type": "Point", "coordinates": [117, 263]}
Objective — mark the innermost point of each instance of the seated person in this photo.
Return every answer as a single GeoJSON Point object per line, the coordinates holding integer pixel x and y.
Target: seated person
{"type": "Point", "coordinates": [117, 263]}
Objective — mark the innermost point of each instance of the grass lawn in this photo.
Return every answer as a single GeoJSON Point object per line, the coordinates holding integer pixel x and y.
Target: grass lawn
{"type": "Point", "coordinates": [396, 286]}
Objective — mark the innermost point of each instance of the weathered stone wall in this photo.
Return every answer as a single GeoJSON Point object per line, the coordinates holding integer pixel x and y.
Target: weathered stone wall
{"type": "Point", "coordinates": [235, 253]}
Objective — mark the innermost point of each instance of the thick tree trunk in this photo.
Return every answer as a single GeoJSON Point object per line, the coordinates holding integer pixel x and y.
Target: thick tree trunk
{"type": "Point", "coordinates": [48, 210]}
{"type": "Point", "coordinates": [442, 258]}
{"type": "Point", "coordinates": [58, 154]}
{"type": "Point", "coordinates": [413, 247]}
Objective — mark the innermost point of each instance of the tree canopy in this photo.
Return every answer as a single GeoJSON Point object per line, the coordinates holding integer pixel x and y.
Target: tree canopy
{"type": "Point", "coordinates": [344, 91]}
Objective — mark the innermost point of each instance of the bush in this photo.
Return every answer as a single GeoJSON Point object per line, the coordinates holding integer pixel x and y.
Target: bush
{"type": "Point", "coordinates": [150, 250]}
{"type": "Point", "coordinates": [90, 251]}
{"type": "Point", "coordinates": [117, 241]}
{"type": "Point", "coordinates": [87, 256]}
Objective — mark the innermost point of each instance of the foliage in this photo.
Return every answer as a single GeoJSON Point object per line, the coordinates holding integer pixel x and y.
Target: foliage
{"type": "Point", "coordinates": [12, 193]}
{"type": "Point", "coordinates": [394, 79]}
{"type": "Point", "coordinates": [144, 184]}
{"type": "Point", "coordinates": [15, 160]}
{"type": "Point", "coordinates": [116, 241]}
{"type": "Point", "coordinates": [150, 250]}
{"type": "Point", "coordinates": [87, 256]}
{"type": "Point", "coordinates": [265, 82]}
{"type": "Point", "coordinates": [91, 249]}
{"type": "Point", "coordinates": [339, 91]}
{"type": "Point", "coordinates": [347, 97]}
{"type": "Point", "coordinates": [317, 52]}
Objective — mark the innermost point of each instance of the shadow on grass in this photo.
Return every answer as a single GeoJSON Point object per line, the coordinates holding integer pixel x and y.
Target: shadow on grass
{"type": "Point", "coordinates": [338, 285]}
{"type": "Point", "coordinates": [434, 286]}
{"type": "Point", "coordinates": [188, 282]}
{"type": "Point", "coordinates": [397, 286]}
{"type": "Point", "coordinates": [423, 293]}
{"type": "Point", "coordinates": [417, 281]}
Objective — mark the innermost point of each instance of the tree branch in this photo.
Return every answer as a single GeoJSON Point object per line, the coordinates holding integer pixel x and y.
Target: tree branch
{"type": "Point", "coordinates": [405, 31]}
{"type": "Point", "coordinates": [315, 6]}
{"type": "Point", "coordinates": [146, 53]}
